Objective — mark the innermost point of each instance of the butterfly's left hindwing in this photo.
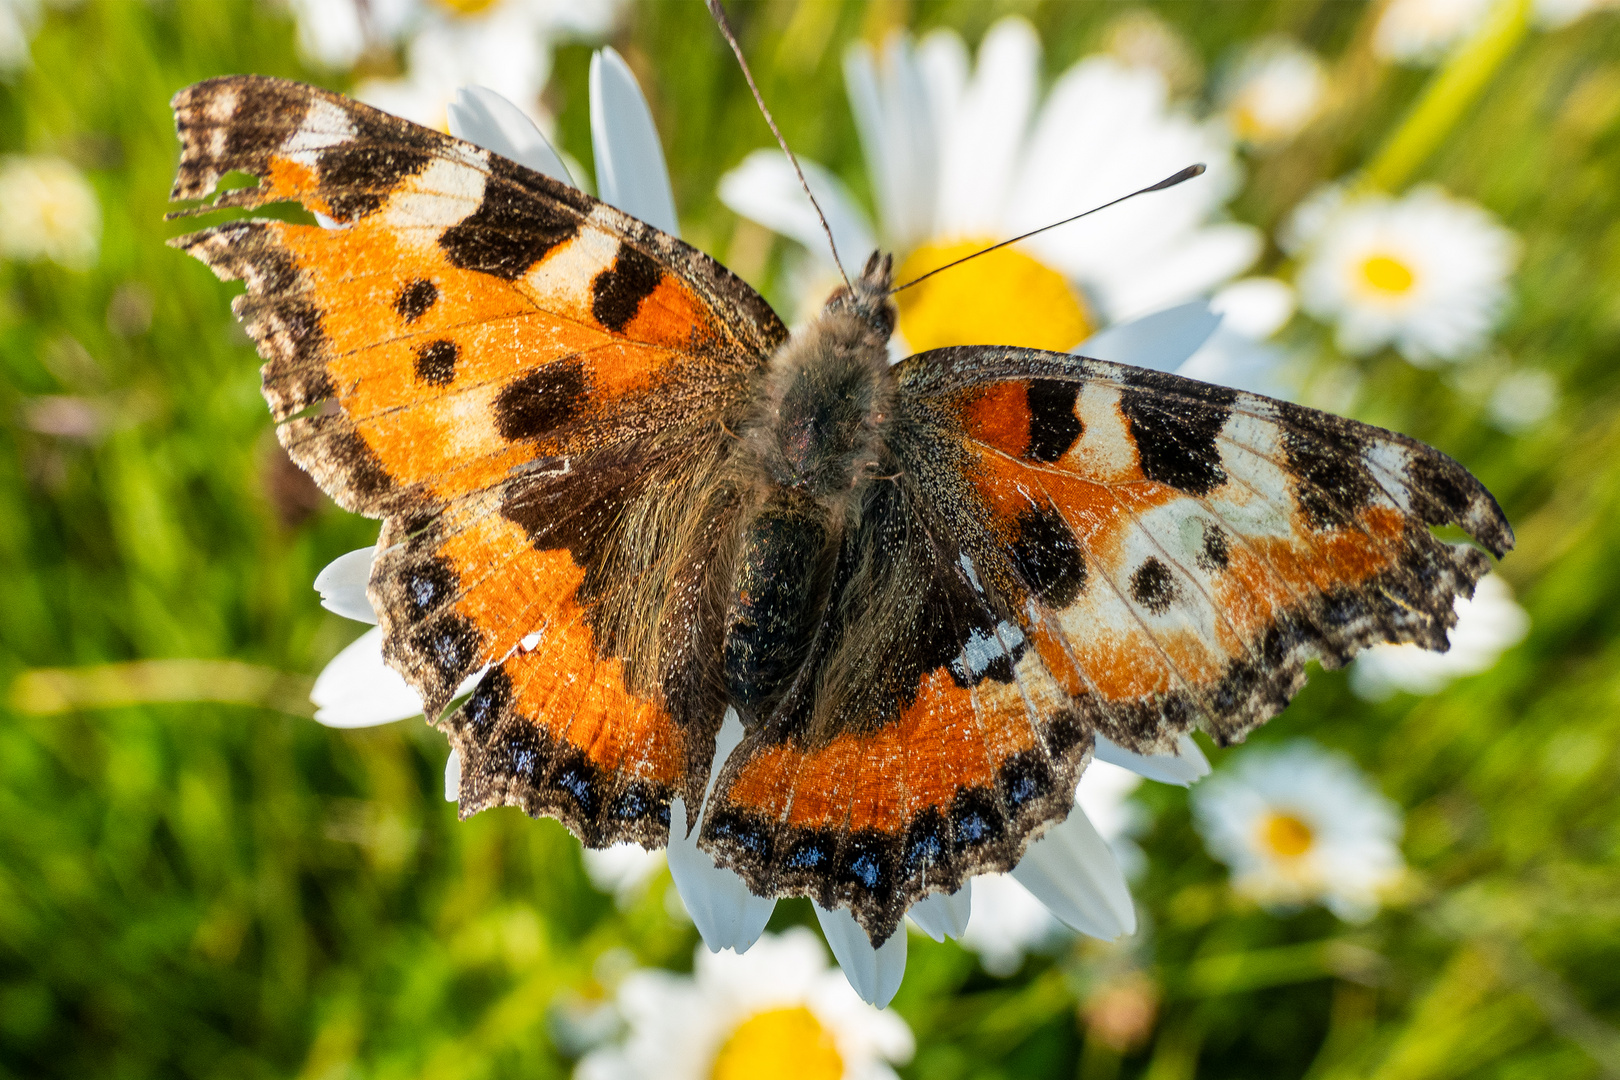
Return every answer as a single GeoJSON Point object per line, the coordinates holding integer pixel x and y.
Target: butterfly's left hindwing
{"type": "Point", "coordinates": [507, 372]}
{"type": "Point", "coordinates": [1076, 548]}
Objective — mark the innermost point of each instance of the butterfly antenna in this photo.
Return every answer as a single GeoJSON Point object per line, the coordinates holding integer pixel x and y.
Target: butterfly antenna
{"type": "Point", "coordinates": [1168, 182]}
{"type": "Point", "coordinates": [719, 14]}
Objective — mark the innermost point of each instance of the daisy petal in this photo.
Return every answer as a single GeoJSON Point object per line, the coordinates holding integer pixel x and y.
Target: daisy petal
{"type": "Point", "coordinates": [1186, 765]}
{"type": "Point", "coordinates": [630, 170]}
{"type": "Point", "coordinates": [483, 117]}
{"type": "Point", "coordinates": [452, 777]}
{"type": "Point", "coordinates": [944, 915]}
{"type": "Point", "coordinates": [764, 188]}
{"type": "Point", "coordinates": [726, 913]}
{"type": "Point", "coordinates": [1162, 341]}
{"type": "Point", "coordinates": [1073, 872]}
{"type": "Point", "coordinates": [342, 585]}
{"type": "Point", "coordinates": [357, 689]}
{"type": "Point", "coordinates": [981, 149]}
{"type": "Point", "coordinates": [874, 973]}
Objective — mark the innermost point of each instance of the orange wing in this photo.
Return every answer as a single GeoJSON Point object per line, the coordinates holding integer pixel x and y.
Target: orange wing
{"type": "Point", "coordinates": [499, 366]}
{"type": "Point", "coordinates": [1076, 548]}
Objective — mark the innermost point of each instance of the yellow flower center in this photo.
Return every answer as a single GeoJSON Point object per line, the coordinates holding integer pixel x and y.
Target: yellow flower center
{"type": "Point", "coordinates": [787, 1044]}
{"type": "Point", "coordinates": [1003, 298]}
{"type": "Point", "coordinates": [468, 7]}
{"type": "Point", "coordinates": [1387, 274]}
{"type": "Point", "coordinates": [1285, 835]}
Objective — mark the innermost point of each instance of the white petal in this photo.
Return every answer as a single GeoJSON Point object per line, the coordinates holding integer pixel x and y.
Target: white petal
{"type": "Point", "coordinates": [1185, 766]}
{"type": "Point", "coordinates": [1072, 871]}
{"type": "Point", "coordinates": [452, 777]}
{"type": "Point", "coordinates": [874, 973]}
{"type": "Point", "coordinates": [483, 117]}
{"type": "Point", "coordinates": [357, 689]}
{"type": "Point", "coordinates": [898, 128]}
{"type": "Point", "coordinates": [630, 170]}
{"type": "Point", "coordinates": [1162, 341]}
{"type": "Point", "coordinates": [765, 189]}
{"type": "Point", "coordinates": [342, 585]}
{"type": "Point", "coordinates": [981, 147]}
{"type": "Point", "coordinates": [726, 913]}
{"type": "Point", "coordinates": [1255, 307]}
{"type": "Point", "coordinates": [944, 915]}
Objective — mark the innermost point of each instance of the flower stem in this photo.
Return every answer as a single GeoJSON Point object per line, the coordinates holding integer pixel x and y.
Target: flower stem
{"type": "Point", "coordinates": [1448, 95]}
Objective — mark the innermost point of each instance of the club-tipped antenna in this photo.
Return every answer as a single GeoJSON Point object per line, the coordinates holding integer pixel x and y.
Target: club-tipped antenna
{"type": "Point", "coordinates": [719, 14]}
{"type": "Point", "coordinates": [1168, 182]}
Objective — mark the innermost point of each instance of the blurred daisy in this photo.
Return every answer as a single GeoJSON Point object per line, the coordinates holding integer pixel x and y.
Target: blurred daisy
{"type": "Point", "coordinates": [18, 21]}
{"type": "Point", "coordinates": [1300, 825]}
{"type": "Point", "coordinates": [623, 870]}
{"type": "Point", "coordinates": [1273, 91]}
{"type": "Point", "coordinates": [777, 1011]}
{"type": "Point", "coordinates": [1071, 869]}
{"type": "Point", "coordinates": [48, 210]}
{"type": "Point", "coordinates": [959, 160]}
{"type": "Point", "coordinates": [1426, 272]}
{"type": "Point", "coordinates": [504, 45]}
{"type": "Point", "coordinates": [1555, 14]}
{"type": "Point", "coordinates": [1421, 31]}
{"type": "Point", "coordinates": [1487, 626]}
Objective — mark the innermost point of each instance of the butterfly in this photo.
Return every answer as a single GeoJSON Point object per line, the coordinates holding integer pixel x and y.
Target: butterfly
{"type": "Point", "coordinates": [610, 479]}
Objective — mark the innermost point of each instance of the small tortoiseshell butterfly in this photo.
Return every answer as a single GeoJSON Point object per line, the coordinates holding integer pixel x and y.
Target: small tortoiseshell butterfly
{"type": "Point", "coordinates": [608, 474]}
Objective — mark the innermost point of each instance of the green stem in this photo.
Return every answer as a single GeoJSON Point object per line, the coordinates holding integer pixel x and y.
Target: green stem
{"type": "Point", "coordinates": [46, 691]}
{"type": "Point", "coordinates": [1453, 89]}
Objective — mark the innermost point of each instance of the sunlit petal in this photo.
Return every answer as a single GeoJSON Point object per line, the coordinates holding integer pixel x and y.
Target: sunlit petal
{"type": "Point", "coordinates": [342, 585]}
{"type": "Point", "coordinates": [630, 169]}
{"type": "Point", "coordinates": [874, 973]}
{"type": "Point", "coordinates": [944, 915]}
{"type": "Point", "coordinates": [1073, 872]}
{"type": "Point", "coordinates": [483, 117]}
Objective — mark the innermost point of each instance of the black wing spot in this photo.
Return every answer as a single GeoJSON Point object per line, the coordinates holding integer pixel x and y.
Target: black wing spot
{"type": "Point", "coordinates": [512, 229]}
{"type": "Point", "coordinates": [617, 292]}
{"type": "Point", "coordinates": [436, 362]}
{"type": "Point", "coordinates": [1153, 586]}
{"type": "Point", "coordinates": [1331, 484]}
{"type": "Point", "coordinates": [1047, 556]}
{"type": "Point", "coordinates": [428, 584]}
{"type": "Point", "coordinates": [414, 300]}
{"type": "Point", "coordinates": [1215, 554]}
{"type": "Point", "coordinates": [1053, 426]}
{"type": "Point", "coordinates": [542, 400]}
{"type": "Point", "coordinates": [488, 701]}
{"type": "Point", "coordinates": [1175, 437]}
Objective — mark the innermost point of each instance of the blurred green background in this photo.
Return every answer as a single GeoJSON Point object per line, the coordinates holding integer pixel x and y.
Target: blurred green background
{"type": "Point", "coordinates": [227, 889]}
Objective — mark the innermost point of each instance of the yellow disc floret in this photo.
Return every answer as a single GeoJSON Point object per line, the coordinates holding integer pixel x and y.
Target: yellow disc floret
{"type": "Point", "coordinates": [786, 1044]}
{"type": "Point", "coordinates": [1004, 298]}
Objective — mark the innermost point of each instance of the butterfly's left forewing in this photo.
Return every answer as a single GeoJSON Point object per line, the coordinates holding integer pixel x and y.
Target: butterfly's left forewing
{"type": "Point", "coordinates": [509, 373]}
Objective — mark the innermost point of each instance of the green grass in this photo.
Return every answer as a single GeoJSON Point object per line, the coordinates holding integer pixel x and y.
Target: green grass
{"type": "Point", "coordinates": [227, 890]}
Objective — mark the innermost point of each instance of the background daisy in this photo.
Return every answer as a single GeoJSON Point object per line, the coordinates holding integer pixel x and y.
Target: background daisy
{"type": "Point", "coordinates": [48, 210]}
{"type": "Point", "coordinates": [959, 159]}
{"type": "Point", "coordinates": [779, 1010]}
{"type": "Point", "coordinates": [1427, 273]}
{"type": "Point", "coordinates": [1300, 825]}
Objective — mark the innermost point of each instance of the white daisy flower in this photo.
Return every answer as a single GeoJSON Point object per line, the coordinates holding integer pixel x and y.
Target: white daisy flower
{"type": "Point", "coordinates": [48, 210]}
{"type": "Point", "coordinates": [1301, 825]}
{"type": "Point", "coordinates": [623, 870]}
{"type": "Point", "coordinates": [959, 160]}
{"type": "Point", "coordinates": [1071, 869]}
{"type": "Point", "coordinates": [1273, 91]}
{"type": "Point", "coordinates": [504, 45]}
{"type": "Point", "coordinates": [1425, 272]}
{"type": "Point", "coordinates": [778, 1011]}
{"type": "Point", "coordinates": [18, 21]}
{"type": "Point", "coordinates": [1421, 31]}
{"type": "Point", "coordinates": [1487, 626]}
{"type": "Point", "coordinates": [1556, 14]}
